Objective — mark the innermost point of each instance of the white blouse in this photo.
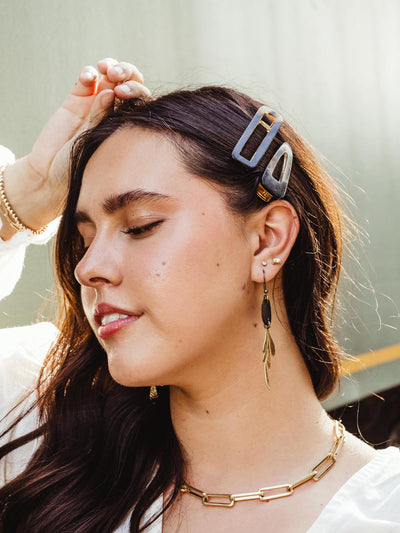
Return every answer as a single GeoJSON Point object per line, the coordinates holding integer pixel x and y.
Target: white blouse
{"type": "Point", "coordinates": [369, 502]}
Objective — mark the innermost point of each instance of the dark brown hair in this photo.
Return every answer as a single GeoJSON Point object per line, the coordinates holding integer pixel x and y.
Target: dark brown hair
{"type": "Point", "coordinates": [105, 449]}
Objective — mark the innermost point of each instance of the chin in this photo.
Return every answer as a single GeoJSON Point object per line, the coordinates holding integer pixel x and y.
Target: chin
{"type": "Point", "coordinates": [123, 377]}
{"type": "Point", "coordinates": [126, 375]}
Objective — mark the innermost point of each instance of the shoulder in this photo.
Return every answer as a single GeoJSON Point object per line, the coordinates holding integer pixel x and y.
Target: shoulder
{"type": "Point", "coordinates": [369, 501]}
{"type": "Point", "coordinates": [377, 484]}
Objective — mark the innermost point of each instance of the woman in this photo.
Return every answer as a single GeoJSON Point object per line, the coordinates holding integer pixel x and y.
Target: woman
{"type": "Point", "coordinates": [172, 387]}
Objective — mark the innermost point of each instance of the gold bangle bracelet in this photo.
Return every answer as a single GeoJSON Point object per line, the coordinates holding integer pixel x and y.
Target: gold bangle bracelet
{"type": "Point", "coordinates": [8, 212]}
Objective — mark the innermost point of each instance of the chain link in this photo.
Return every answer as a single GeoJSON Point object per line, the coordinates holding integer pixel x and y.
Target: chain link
{"type": "Point", "coordinates": [274, 492]}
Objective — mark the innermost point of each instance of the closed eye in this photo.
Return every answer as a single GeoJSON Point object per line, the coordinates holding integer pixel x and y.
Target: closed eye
{"type": "Point", "coordinates": [139, 231]}
{"type": "Point", "coordinates": [81, 248]}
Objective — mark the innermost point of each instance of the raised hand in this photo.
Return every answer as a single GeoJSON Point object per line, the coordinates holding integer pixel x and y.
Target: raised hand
{"type": "Point", "coordinates": [44, 172]}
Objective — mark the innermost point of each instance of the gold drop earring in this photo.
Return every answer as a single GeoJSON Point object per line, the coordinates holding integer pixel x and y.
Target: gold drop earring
{"type": "Point", "coordinates": [153, 394]}
{"type": "Point", "coordinates": [269, 346]}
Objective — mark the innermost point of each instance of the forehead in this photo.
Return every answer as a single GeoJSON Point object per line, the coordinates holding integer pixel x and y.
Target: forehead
{"type": "Point", "coordinates": [136, 170]}
{"type": "Point", "coordinates": [130, 156]}
{"type": "Point", "coordinates": [138, 158]}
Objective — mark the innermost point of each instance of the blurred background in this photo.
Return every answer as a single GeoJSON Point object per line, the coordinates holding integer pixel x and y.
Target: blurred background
{"type": "Point", "coordinates": [332, 67]}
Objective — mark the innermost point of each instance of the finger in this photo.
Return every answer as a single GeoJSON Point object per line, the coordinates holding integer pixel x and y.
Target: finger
{"type": "Point", "coordinates": [123, 71]}
{"type": "Point", "coordinates": [132, 89]}
{"type": "Point", "coordinates": [104, 64]}
{"type": "Point", "coordinates": [86, 84]}
{"type": "Point", "coordinates": [105, 83]}
{"type": "Point", "coordinates": [101, 104]}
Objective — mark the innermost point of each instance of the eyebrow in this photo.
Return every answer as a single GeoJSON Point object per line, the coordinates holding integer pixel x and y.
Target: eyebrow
{"type": "Point", "coordinates": [116, 202]}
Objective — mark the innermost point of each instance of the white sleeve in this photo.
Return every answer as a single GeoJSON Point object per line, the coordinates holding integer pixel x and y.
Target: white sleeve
{"type": "Point", "coordinates": [22, 349]}
{"type": "Point", "coordinates": [12, 252]}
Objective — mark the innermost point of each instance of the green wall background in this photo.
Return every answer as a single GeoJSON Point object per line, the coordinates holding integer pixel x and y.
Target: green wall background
{"type": "Point", "coordinates": [331, 66]}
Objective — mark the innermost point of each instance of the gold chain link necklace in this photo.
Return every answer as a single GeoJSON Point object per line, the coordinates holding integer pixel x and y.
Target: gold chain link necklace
{"type": "Point", "coordinates": [277, 491]}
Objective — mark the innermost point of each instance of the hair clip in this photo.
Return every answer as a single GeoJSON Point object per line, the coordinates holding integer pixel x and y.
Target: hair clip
{"type": "Point", "coordinates": [268, 185]}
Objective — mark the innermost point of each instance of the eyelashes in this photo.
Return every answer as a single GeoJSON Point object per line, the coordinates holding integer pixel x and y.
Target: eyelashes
{"type": "Point", "coordinates": [80, 252]}
{"type": "Point", "coordinates": [136, 232]}
{"type": "Point", "coordinates": [139, 231]}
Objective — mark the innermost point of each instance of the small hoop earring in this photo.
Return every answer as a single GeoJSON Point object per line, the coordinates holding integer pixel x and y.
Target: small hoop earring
{"type": "Point", "coordinates": [269, 346]}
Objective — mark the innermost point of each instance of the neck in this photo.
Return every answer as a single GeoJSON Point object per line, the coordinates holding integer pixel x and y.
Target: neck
{"type": "Point", "coordinates": [238, 435]}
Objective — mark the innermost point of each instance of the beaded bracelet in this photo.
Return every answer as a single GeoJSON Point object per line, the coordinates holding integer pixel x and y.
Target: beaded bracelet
{"type": "Point", "coordinates": [8, 212]}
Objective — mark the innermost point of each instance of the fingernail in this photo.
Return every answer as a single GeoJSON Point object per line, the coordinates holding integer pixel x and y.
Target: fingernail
{"type": "Point", "coordinates": [118, 70]}
{"type": "Point", "coordinates": [88, 75]}
{"type": "Point", "coordinates": [125, 88]}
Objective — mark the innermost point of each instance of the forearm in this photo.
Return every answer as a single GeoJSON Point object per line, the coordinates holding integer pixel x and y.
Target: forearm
{"type": "Point", "coordinates": [26, 199]}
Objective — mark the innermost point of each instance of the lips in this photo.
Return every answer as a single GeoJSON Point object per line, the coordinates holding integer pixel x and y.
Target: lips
{"type": "Point", "coordinates": [111, 319]}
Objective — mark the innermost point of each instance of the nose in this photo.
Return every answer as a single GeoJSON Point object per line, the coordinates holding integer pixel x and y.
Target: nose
{"type": "Point", "coordinates": [99, 266]}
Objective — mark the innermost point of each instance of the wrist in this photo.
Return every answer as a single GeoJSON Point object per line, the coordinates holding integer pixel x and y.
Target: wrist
{"type": "Point", "coordinates": [25, 202]}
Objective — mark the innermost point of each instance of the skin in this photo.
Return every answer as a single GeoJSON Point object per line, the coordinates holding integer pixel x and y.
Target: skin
{"type": "Point", "coordinates": [195, 294]}
{"type": "Point", "coordinates": [196, 280]}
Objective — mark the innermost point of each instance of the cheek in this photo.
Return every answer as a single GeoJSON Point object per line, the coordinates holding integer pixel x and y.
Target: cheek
{"type": "Point", "coordinates": [195, 273]}
{"type": "Point", "coordinates": [179, 265]}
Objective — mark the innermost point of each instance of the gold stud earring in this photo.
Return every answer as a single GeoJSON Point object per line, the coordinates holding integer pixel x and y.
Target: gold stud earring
{"type": "Point", "coordinates": [153, 394]}
{"type": "Point", "coordinates": [269, 346]}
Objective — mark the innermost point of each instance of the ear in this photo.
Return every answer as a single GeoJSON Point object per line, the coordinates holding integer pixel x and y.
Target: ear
{"type": "Point", "coordinates": [274, 230]}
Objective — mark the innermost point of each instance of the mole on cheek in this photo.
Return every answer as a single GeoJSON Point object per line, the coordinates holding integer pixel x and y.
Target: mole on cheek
{"type": "Point", "coordinates": [163, 263]}
{"type": "Point", "coordinates": [217, 264]}
{"type": "Point", "coordinates": [243, 286]}
{"type": "Point", "coordinates": [255, 324]}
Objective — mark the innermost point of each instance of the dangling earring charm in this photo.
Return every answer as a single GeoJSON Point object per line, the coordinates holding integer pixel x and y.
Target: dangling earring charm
{"type": "Point", "coordinates": [269, 346]}
{"type": "Point", "coordinates": [153, 395]}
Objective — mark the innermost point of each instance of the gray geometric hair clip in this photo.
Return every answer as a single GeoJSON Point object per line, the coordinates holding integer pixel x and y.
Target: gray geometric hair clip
{"type": "Point", "coordinates": [268, 185]}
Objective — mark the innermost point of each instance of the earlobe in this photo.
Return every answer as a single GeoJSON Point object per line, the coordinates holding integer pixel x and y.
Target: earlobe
{"type": "Point", "coordinates": [277, 225]}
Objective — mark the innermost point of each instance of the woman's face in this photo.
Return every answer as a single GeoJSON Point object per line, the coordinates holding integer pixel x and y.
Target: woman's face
{"type": "Point", "coordinates": [166, 276]}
